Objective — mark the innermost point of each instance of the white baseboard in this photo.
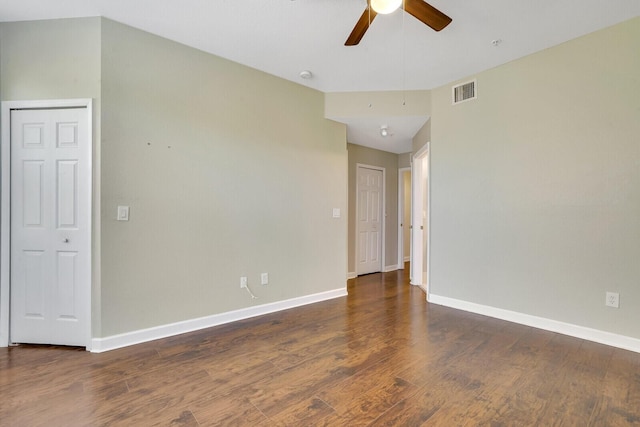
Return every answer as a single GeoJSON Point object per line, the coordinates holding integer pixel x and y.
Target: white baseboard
{"type": "Point", "coordinates": [352, 275]}
{"type": "Point", "coordinates": [589, 334]}
{"type": "Point", "coordinates": [99, 345]}
{"type": "Point", "coordinates": [407, 259]}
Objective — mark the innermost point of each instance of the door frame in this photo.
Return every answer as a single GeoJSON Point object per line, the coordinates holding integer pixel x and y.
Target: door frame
{"type": "Point", "coordinates": [418, 190]}
{"type": "Point", "coordinates": [382, 214]}
{"type": "Point", "coordinates": [5, 203]}
{"type": "Point", "coordinates": [401, 211]}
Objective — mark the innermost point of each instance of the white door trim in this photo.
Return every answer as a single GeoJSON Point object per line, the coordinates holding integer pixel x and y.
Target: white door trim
{"type": "Point", "coordinates": [417, 192]}
{"type": "Point", "coordinates": [382, 217]}
{"type": "Point", "coordinates": [5, 201]}
{"type": "Point", "coordinates": [401, 225]}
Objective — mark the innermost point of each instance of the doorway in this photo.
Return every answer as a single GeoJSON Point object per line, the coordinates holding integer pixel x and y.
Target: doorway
{"type": "Point", "coordinates": [369, 219]}
{"type": "Point", "coordinates": [45, 288]}
{"type": "Point", "coordinates": [404, 216]}
{"type": "Point", "coordinates": [420, 219]}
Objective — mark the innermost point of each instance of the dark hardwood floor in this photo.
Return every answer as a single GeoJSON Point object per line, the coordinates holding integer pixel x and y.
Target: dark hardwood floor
{"type": "Point", "coordinates": [381, 356]}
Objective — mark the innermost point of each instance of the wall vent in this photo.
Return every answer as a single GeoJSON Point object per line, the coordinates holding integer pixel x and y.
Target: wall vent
{"type": "Point", "coordinates": [464, 92]}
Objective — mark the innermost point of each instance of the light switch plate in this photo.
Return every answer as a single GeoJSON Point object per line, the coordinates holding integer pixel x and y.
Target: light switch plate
{"type": "Point", "coordinates": [336, 212]}
{"type": "Point", "coordinates": [123, 213]}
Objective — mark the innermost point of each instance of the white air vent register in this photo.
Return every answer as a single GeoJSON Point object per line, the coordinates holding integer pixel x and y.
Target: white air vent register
{"type": "Point", "coordinates": [464, 92]}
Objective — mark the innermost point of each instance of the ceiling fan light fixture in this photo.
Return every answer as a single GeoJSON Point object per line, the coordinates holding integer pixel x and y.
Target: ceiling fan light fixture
{"type": "Point", "coordinates": [385, 7]}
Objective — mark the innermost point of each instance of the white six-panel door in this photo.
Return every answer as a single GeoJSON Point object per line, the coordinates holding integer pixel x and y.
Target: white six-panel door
{"type": "Point", "coordinates": [369, 227]}
{"type": "Point", "coordinates": [50, 226]}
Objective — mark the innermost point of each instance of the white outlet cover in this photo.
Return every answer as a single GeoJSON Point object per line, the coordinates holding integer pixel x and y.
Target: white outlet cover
{"type": "Point", "coordinates": [612, 299]}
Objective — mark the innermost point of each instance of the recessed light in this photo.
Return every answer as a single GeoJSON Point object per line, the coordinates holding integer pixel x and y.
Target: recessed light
{"type": "Point", "coordinates": [306, 74]}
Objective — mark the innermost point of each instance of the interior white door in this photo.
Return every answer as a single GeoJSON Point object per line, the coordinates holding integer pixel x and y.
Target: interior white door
{"type": "Point", "coordinates": [50, 226]}
{"type": "Point", "coordinates": [369, 220]}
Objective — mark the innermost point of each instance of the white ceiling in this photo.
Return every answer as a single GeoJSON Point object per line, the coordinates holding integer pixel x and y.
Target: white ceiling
{"type": "Point", "coordinates": [366, 131]}
{"type": "Point", "coordinates": [284, 37]}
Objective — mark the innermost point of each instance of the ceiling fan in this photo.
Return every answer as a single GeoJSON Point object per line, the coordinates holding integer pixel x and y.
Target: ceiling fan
{"type": "Point", "coordinates": [421, 10]}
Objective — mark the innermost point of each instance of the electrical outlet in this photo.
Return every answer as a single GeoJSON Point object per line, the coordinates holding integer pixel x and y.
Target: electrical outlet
{"type": "Point", "coordinates": [243, 282]}
{"type": "Point", "coordinates": [612, 300]}
{"type": "Point", "coordinates": [264, 278]}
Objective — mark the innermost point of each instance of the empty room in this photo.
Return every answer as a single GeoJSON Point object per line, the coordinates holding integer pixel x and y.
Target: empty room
{"type": "Point", "coordinates": [319, 212]}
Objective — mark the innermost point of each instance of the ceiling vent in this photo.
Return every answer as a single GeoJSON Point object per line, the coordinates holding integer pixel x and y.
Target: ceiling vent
{"type": "Point", "coordinates": [464, 92]}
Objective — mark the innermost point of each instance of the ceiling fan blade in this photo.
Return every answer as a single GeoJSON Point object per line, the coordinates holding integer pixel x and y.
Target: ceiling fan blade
{"type": "Point", "coordinates": [426, 13]}
{"type": "Point", "coordinates": [361, 27]}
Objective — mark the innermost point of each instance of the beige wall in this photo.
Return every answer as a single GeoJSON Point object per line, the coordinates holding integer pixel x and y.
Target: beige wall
{"type": "Point", "coordinates": [422, 137]}
{"type": "Point", "coordinates": [228, 171]}
{"type": "Point", "coordinates": [378, 104]}
{"type": "Point", "coordinates": [389, 161]}
{"type": "Point", "coordinates": [534, 194]}
{"type": "Point", "coordinates": [50, 59]}
{"type": "Point", "coordinates": [404, 160]}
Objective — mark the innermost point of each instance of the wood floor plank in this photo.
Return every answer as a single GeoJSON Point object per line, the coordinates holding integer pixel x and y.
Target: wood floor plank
{"type": "Point", "coordinates": [620, 391]}
{"type": "Point", "coordinates": [230, 409]}
{"type": "Point", "coordinates": [273, 393]}
{"type": "Point", "coordinates": [312, 411]}
{"type": "Point", "coordinates": [382, 356]}
{"type": "Point", "coordinates": [365, 395]}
